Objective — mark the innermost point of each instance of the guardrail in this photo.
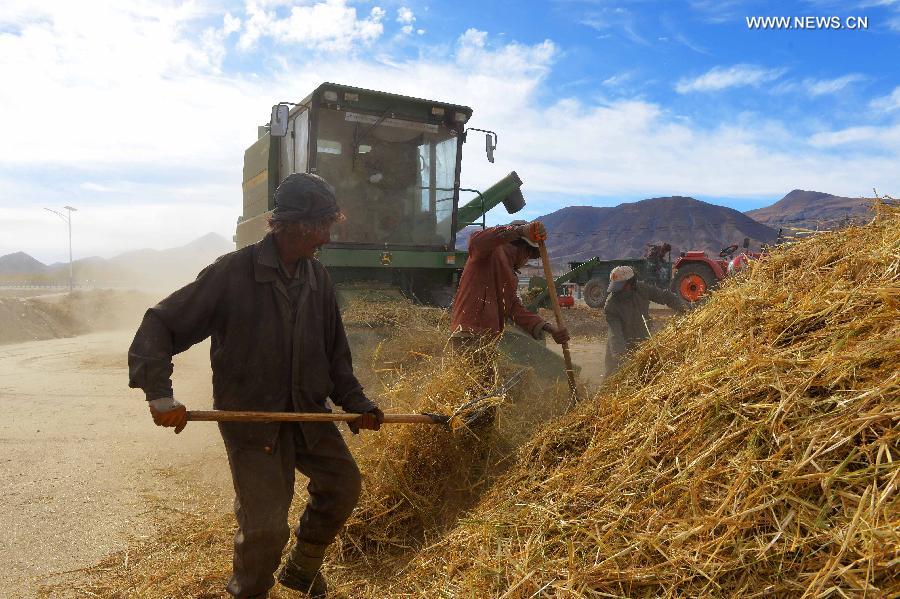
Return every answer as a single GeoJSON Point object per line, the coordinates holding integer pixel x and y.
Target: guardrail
{"type": "Point", "coordinates": [64, 286]}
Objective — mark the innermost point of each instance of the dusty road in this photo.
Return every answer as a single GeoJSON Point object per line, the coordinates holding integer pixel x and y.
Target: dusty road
{"type": "Point", "coordinates": [80, 454]}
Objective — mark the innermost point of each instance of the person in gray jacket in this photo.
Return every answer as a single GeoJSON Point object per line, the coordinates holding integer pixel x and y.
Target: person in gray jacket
{"type": "Point", "coordinates": [278, 344]}
{"type": "Point", "coordinates": [627, 312]}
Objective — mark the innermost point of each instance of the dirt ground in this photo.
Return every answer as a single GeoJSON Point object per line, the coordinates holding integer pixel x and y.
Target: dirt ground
{"type": "Point", "coordinates": [588, 345]}
{"type": "Point", "coordinates": [80, 454]}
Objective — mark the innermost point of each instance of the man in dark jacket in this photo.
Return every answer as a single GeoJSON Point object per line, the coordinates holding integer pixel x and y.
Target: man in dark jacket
{"type": "Point", "coordinates": [278, 344]}
{"type": "Point", "coordinates": [627, 313]}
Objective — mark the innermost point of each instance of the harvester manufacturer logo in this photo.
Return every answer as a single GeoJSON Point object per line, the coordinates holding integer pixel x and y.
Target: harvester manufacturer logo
{"type": "Point", "coordinates": [386, 258]}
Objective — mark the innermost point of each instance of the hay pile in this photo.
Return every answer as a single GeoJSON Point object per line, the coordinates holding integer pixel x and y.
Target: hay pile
{"type": "Point", "coordinates": [750, 449]}
{"type": "Point", "coordinates": [418, 479]}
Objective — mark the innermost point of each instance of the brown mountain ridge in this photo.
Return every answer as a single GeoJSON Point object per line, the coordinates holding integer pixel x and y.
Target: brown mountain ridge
{"type": "Point", "coordinates": [813, 210]}
{"type": "Point", "coordinates": [624, 231]}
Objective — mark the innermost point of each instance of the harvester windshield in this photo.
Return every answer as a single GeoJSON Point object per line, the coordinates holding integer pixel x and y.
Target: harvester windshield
{"type": "Point", "coordinates": [393, 177]}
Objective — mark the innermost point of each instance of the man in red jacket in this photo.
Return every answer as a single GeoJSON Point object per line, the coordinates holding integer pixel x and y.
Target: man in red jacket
{"type": "Point", "coordinates": [488, 291]}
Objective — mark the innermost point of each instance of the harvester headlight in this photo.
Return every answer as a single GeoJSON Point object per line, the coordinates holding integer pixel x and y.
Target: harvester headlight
{"type": "Point", "coordinates": [330, 96]}
{"type": "Point", "coordinates": [460, 117]}
{"type": "Point", "coordinates": [437, 111]}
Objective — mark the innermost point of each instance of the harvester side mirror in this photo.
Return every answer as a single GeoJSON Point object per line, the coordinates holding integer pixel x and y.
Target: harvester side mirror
{"type": "Point", "coordinates": [490, 141]}
{"type": "Point", "coordinates": [490, 144]}
{"type": "Point", "coordinates": [278, 125]}
{"type": "Point", "coordinates": [514, 201]}
{"type": "Point", "coordinates": [746, 242]}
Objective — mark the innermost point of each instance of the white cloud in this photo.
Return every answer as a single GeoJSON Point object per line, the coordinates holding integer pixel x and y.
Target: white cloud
{"type": "Point", "coordinates": [331, 25]}
{"type": "Point", "coordinates": [90, 186]}
{"type": "Point", "coordinates": [136, 109]}
{"type": "Point", "coordinates": [719, 78]}
{"type": "Point", "coordinates": [619, 79]}
{"type": "Point", "coordinates": [820, 87]}
{"type": "Point", "coordinates": [405, 16]}
{"type": "Point", "coordinates": [888, 103]}
{"type": "Point", "coordinates": [882, 138]}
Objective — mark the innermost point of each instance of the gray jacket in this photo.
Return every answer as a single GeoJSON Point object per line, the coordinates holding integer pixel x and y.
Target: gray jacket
{"type": "Point", "coordinates": [262, 357]}
{"type": "Point", "coordinates": [628, 316]}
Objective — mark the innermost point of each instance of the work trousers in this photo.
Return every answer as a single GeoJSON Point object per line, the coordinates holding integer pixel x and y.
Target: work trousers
{"type": "Point", "coordinates": [264, 486]}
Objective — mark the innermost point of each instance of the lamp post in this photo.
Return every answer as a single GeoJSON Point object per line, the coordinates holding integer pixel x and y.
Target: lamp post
{"type": "Point", "coordinates": [68, 219]}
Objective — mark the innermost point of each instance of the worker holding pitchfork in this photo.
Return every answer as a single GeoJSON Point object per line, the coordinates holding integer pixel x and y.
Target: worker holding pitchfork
{"type": "Point", "coordinates": [488, 295]}
{"type": "Point", "coordinates": [278, 345]}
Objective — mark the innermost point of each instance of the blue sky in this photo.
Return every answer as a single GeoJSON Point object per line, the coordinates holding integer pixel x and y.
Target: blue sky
{"type": "Point", "coordinates": [139, 115]}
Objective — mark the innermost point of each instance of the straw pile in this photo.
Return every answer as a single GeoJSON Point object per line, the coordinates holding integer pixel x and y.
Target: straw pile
{"type": "Point", "coordinates": [750, 449]}
{"type": "Point", "coordinates": [417, 479]}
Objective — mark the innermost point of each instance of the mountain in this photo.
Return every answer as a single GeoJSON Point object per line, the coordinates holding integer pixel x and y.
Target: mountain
{"type": "Point", "coordinates": [811, 210]}
{"type": "Point", "coordinates": [161, 268]}
{"type": "Point", "coordinates": [624, 231]}
{"type": "Point", "coordinates": [154, 269]}
{"type": "Point", "coordinates": [20, 263]}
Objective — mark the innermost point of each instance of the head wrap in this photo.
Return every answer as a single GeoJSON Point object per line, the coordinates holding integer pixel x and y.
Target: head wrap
{"type": "Point", "coordinates": [302, 196]}
{"type": "Point", "coordinates": [618, 277]}
{"type": "Point", "coordinates": [519, 223]}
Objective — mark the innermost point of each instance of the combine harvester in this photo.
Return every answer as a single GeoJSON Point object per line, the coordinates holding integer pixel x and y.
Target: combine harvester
{"type": "Point", "coordinates": [394, 162]}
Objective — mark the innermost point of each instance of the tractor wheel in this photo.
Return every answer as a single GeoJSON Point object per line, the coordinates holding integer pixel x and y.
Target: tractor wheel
{"type": "Point", "coordinates": [594, 293]}
{"type": "Point", "coordinates": [693, 281]}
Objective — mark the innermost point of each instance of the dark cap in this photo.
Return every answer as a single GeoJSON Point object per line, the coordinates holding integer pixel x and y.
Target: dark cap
{"type": "Point", "coordinates": [302, 196]}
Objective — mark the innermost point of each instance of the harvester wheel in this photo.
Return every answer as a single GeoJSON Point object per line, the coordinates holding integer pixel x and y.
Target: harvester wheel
{"type": "Point", "coordinates": [594, 293]}
{"type": "Point", "coordinates": [693, 281]}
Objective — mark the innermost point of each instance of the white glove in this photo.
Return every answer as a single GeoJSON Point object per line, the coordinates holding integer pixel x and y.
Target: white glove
{"type": "Point", "coordinates": [166, 411]}
{"type": "Point", "coordinates": [165, 404]}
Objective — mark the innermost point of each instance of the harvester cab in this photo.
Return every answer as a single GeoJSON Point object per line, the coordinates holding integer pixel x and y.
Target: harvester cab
{"type": "Point", "coordinates": [394, 162]}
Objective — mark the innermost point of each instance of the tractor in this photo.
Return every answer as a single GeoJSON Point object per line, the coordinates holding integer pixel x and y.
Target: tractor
{"type": "Point", "coordinates": [592, 276]}
{"type": "Point", "coordinates": [696, 274]}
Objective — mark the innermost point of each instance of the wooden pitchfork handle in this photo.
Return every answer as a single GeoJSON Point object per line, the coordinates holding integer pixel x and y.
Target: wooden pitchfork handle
{"type": "Point", "coordinates": [554, 301]}
{"type": "Point", "coordinates": [237, 416]}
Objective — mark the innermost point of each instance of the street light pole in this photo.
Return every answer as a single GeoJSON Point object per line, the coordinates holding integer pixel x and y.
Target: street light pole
{"type": "Point", "coordinates": [68, 219]}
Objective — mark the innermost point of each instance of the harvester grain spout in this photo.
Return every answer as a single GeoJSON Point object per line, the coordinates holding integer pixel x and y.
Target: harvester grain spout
{"type": "Point", "coordinates": [506, 191]}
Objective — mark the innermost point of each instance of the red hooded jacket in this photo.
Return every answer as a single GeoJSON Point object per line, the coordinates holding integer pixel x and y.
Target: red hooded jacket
{"type": "Point", "coordinates": [487, 293]}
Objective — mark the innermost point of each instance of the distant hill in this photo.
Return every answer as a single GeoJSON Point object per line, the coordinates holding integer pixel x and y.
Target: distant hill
{"type": "Point", "coordinates": [624, 231]}
{"type": "Point", "coordinates": [21, 263]}
{"type": "Point", "coordinates": [811, 210]}
{"type": "Point", "coordinates": [161, 268]}
{"type": "Point", "coordinates": [148, 269]}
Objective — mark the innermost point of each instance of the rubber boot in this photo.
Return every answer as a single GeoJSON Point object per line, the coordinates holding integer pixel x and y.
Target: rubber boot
{"type": "Point", "coordinates": [301, 570]}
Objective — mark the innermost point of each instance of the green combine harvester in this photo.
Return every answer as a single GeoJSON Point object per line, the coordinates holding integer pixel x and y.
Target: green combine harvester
{"type": "Point", "coordinates": [394, 162]}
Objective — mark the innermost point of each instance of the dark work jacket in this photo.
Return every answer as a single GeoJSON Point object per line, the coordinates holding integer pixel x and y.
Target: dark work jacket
{"type": "Point", "coordinates": [262, 357]}
{"type": "Point", "coordinates": [625, 313]}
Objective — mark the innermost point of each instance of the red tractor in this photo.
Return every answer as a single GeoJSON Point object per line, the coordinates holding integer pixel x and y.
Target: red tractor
{"type": "Point", "coordinates": [567, 299]}
{"type": "Point", "coordinates": [695, 273]}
